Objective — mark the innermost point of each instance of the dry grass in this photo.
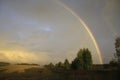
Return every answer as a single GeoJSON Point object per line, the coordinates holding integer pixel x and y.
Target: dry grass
{"type": "Point", "coordinates": [18, 68]}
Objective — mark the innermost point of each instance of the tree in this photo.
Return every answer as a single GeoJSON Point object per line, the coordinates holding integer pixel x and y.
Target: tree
{"type": "Point", "coordinates": [117, 48]}
{"type": "Point", "coordinates": [87, 59]}
{"type": "Point", "coordinates": [66, 64]}
{"type": "Point", "coordinates": [50, 65]}
{"type": "Point", "coordinates": [59, 65]}
{"type": "Point", "coordinates": [83, 60]}
{"type": "Point", "coordinates": [76, 64]}
{"type": "Point", "coordinates": [113, 62]}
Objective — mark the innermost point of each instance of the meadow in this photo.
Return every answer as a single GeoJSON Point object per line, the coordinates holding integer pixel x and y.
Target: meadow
{"type": "Point", "coordinates": [36, 72]}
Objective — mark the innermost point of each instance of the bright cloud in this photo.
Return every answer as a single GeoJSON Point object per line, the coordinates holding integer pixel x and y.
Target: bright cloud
{"type": "Point", "coordinates": [24, 57]}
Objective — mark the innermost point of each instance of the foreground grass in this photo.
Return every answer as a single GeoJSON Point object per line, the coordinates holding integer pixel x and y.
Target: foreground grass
{"type": "Point", "coordinates": [38, 73]}
{"type": "Point", "coordinates": [17, 68]}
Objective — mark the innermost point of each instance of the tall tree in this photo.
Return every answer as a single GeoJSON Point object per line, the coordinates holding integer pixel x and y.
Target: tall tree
{"type": "Point", "coordinates": [117, 48]}
{"type": "Point", "coordinates": [87, 59]}
{"type": "Point", "coordinates": [83, 60]}
{"type": "Point", "coordinates": [66, 64]}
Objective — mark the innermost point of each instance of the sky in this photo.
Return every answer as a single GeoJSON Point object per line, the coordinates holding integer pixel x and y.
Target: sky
{"type": "Point", "coordinates": [44, 31]}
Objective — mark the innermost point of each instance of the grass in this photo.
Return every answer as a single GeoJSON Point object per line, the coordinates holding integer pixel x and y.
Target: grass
{"type": "Point", "coordinates": [15, 72]}
{"type": "Point", "coordinates": [18, 68]}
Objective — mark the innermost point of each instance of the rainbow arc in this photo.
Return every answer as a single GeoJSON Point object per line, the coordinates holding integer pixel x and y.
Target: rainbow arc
{"type": "Point", "coordinates": [85, 26]}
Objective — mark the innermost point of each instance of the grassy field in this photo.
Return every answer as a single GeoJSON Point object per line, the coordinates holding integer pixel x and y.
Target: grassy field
{"type": "Point", "coordinates": [32, 72]}
{"type": "Point", "coordinates": [17, 68]}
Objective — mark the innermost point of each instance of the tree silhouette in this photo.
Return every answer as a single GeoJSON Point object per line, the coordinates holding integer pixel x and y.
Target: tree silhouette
{"type": "Point", "coordinates": [83, 60]}
{"type": "Point", "coordinates": [66, 64]}
{"type": "Point", "coordinates": [76, 64]}
{"type": "Point", "coordinates": [117, 48]}
{"type": "Point", "coordinates": [59, 65]}
{"type": "Point", "coordinates": [87, 59]}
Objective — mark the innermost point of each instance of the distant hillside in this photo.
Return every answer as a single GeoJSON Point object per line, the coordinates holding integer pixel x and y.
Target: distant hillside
{"type": "Point", "coordinates": [4, 63]}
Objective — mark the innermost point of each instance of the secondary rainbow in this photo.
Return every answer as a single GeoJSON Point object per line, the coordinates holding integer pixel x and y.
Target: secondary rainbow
{"type": "Point", "coordinates": [85, 26]}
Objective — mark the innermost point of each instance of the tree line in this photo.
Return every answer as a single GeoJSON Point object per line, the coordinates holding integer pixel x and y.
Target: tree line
{"type": "Point", "coordinates": [116, 59]}
{"type": "Point", "coordinates": [83, 61]}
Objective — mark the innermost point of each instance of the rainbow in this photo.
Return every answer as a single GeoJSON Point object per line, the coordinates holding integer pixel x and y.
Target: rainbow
{"type": "Point", "coordinates": [86, 27]}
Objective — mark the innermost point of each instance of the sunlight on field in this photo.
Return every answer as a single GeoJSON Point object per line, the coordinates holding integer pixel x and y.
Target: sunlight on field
{"type": "Point", "coordinates": [18, 68]}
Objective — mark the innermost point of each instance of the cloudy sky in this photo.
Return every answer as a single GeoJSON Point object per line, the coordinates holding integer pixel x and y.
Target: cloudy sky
{"type": "Point", "coordinates": [43, 31]}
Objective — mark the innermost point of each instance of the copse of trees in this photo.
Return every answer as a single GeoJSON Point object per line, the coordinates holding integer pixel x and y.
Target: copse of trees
{"type": "Point", "coordinates": [65, 65]}
{"type": "Point", "coordinates": [59, 65]}
{"type": "Point", "coordinates": [83, 60]}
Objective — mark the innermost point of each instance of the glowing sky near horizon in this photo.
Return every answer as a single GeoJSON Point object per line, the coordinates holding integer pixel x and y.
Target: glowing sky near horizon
{"type": "Point", "coordinates": [42, 31]}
